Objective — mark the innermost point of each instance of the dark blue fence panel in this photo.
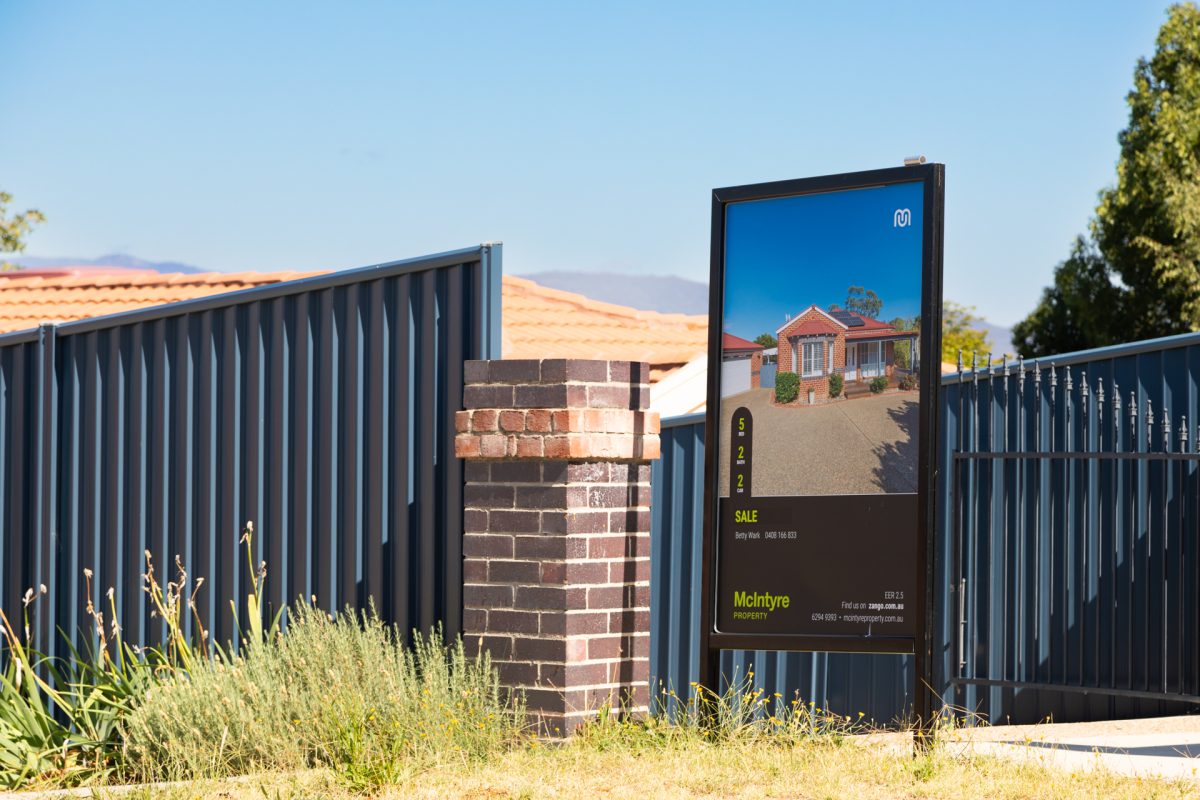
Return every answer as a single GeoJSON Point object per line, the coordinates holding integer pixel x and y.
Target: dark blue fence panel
{"type": "Point", "coordinates": [877, 686]}
{"type": "Point", "coordinates": [1068, 532]}
{"type": "Point", "coordinates": [1060, 581]}
{"type": "Point", "coordinates": [321, 409]}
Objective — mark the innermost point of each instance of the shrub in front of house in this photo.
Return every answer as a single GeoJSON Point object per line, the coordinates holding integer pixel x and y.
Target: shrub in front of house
{"type": "Point", "coordinates": [878, 385]}
{"type": "Point", "coordinates": [787, 387]}
{"type": "Point", "coordinates": [835, 385]}
{"type": "Point", "coordinates": [908, 383]}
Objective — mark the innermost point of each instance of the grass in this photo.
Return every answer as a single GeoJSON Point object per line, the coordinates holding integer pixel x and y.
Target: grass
{"type": "Point", "coordinates": [690, 767]}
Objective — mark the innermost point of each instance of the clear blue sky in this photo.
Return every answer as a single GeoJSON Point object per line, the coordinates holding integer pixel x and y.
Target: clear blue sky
{"type": "Point", "coordinates": [786, 254]}
{"type": "Point", "coordinates": [586, 136]}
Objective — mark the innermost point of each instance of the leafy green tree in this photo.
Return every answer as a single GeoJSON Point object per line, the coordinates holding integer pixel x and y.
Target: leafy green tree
{"type": "Point", "coordinates": [863, 301]}
{"type": "Point", "coordinates": [1139, 275]}
{"type": "Point", "coordinates": [766, 340]}
{"type": "Point", "coordinates": [14, 229]}
{"type": "Point", "coordinates": [961, 331]}
{"type": "Point", "coordinates": [1078, 311]}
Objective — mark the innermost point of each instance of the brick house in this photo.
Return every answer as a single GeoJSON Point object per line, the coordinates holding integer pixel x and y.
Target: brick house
{"type": "Point", "coordinates": [741, 364]}
{"type": "Point", "coordinates": [817, 343]}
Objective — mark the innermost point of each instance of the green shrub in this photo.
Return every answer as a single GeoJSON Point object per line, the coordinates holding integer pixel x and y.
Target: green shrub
{"type": "Point", "coordinates": [787, 387]}
{"type": "Point", "coordinates": [336, 691]}
{"type": "Point", "coordinates": [878, 385]}
{"type": "Point", "coordinates": [908, 383]}
{"type": "Point", "coordinates": [835, 385]}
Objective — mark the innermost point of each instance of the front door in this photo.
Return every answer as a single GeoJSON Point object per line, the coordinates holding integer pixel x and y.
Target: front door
{"type": "Point", "coordinates": [851, 362]}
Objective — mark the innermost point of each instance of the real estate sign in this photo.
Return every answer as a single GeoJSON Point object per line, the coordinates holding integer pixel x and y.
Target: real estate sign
{"type": "Point", "coordinates": [824, 359]}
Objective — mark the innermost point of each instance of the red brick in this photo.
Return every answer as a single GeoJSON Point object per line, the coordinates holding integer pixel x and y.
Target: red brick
{"type": "Point", "coordinates": [475, 570]}
{"type": "Point", "coordinates": [493, 445]}
{"type": "Point", "coordinates": [587, 522]}
{"type": "Point", "coordinates": [512, 421]}
{"type": "Point", "coordinates": [611, 397]}
{"type": "Point", "coordinates": [484, 420]}
{"type": "Point", "coordinates": [551, 598]}
{"type": "Point", "coordinates": [556, 447]}
{"type": "Point", "coordinates": [538, 420]}
{"type": "Point", "coordinates": [539, 547]}
{"type": "Point", "coordinates": [509, 621]}
{"type": "Point", "coordinates": [517, 673]}
{"type": "Point", "coordinates": [498, 647]}
{"type": "Point", "coordinates": [466, 446]}
{"type": "Point", "coordinates": [474, 621]}
{"type": "Point", "coordinates": [487, 596]}
{"type": "Point", "coordinates": [579, 369]}
{"type": "Point", "coordinates": [505, 521]}
{"type": "Point", "coordinates": [629, 570]}
{"type": "Point", "coordinates": [553, 572]}
{"type": "Point", "coordinates": [462, 421]}
{"type": "Point", "coordinates": [475, 520]}
{"type": "Point", "coordinates": [605, 597]}
{"type": "Point", "coordinates": [487, 545]}
{"type": "Point", "coordinates": [605, 647]}
{"type": "Point", "coordinates": [513, 571]}
{"type": "Point", "coordinates": [529, 447]}
{"type": "Point", "coordinates": [629, 620]}
{"type": "Point", "coordinates": [527, 648]}
{"type": "Point", "coordinates": [587, 572]}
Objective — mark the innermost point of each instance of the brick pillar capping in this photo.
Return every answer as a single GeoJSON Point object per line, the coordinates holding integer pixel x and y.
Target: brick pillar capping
{"type": "Point", "coordinates": [556, 539]}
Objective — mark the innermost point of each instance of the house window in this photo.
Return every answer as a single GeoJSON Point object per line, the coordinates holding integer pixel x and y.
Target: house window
{"type": "Point", "coordinates": [814, 359]}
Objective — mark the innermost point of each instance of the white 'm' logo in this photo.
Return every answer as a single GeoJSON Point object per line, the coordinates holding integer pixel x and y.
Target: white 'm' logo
{"type": "Point", "coordinates": [902, 218]}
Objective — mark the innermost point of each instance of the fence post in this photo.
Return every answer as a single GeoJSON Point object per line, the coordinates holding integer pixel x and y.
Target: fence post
{"type": "Point", "coordinates": [556, 537]}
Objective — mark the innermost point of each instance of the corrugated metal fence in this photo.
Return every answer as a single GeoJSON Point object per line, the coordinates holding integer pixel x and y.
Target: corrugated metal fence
{"type": "Point", "coordinates": [1036, 633]}
{"type": "Point", "coordinates": [321, 409]}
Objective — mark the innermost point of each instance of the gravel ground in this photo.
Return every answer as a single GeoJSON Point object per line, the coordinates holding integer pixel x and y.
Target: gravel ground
{"type": "Point", "coordinates": [862, 446]}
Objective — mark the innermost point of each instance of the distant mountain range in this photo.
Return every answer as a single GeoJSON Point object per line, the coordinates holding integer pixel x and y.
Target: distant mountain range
{"type": "Point", "coordinates": [110, 260]}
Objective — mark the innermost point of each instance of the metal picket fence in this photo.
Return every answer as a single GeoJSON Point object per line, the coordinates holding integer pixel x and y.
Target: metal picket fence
{"type": "Point", "coordinates": [1073, 490]}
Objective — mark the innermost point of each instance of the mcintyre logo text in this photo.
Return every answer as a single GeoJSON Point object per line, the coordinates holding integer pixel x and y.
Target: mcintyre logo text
{"type": "Point", "coordinates": [761, 600]}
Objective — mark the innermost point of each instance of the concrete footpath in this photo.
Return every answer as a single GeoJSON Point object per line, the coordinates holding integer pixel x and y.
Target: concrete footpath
{"type": "Point", "coordinates": [1167, 747]}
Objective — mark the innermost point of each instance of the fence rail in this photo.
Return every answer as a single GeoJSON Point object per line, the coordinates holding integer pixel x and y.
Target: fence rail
{"type": "Point", "coordinates": [322, 409]}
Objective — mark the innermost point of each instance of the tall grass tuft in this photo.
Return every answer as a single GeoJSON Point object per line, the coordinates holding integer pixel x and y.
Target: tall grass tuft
{"type": "Point", "coordinates": [336, 691]}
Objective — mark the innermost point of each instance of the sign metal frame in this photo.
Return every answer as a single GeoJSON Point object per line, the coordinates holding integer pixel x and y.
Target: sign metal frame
{"type": "Point", "coordinates": [712, 641]}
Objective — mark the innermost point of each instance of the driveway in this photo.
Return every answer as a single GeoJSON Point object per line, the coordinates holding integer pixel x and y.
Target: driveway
{"type": "Point", "coordinates": [862, 446]}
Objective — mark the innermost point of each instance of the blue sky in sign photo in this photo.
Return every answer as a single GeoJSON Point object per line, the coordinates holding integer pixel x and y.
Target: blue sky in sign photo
{"type": "Point", "coordinates": [270, 136]}
{"type": "Point", "coordinates": [785, 254]}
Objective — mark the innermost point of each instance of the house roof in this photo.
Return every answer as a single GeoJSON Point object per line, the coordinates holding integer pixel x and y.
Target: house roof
{"type": "Point", "coordinates": [538, 322]}
{"type": "Point", "coordinates": [815, 327]}
{"type": "Point", "coordinates": [731, 342]}
{"type": "Point", "coordinates": [62, 294]}
{"type": "Point", "coordinates": [548, 323]}
{"type": "Point", "coordinates": [813, 307]}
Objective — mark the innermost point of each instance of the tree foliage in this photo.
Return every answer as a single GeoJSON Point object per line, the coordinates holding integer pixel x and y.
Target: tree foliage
{"type": "Point", "coordinates": [14, 229]}
{"type": "Point", "coordinates": [1139, 275]}
{"type": "Point", "coordinates": [863, 301]}
{"type": "Point", "coordinates": [766, 340]}
{"type": "Point", "coordinates": [961, 331]}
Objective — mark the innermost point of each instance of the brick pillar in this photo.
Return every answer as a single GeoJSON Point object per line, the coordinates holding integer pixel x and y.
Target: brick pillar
{"type": "Point", "coordinates": [557, 530]}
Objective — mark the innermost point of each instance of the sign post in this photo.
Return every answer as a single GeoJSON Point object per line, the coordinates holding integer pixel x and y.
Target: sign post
{"type": "Point", "coordinates": [819, 490]}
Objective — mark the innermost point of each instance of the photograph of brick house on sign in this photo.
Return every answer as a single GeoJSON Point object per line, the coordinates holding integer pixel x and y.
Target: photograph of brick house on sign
{"type": "Point", "coordinates": [817, 343]}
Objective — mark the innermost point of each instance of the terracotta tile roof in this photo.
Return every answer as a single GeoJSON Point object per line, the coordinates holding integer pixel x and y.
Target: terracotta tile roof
{"type": "Point", "coordinates": [548, 323]}
{"type": "Point", "coordinates": [63, 294]}
{"type": "Point", "coordinates": [538, 322]}
{"type": "Point", "coordinates": [814, 327]}
{"type": "Point", "coordinates": [731, 342]}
